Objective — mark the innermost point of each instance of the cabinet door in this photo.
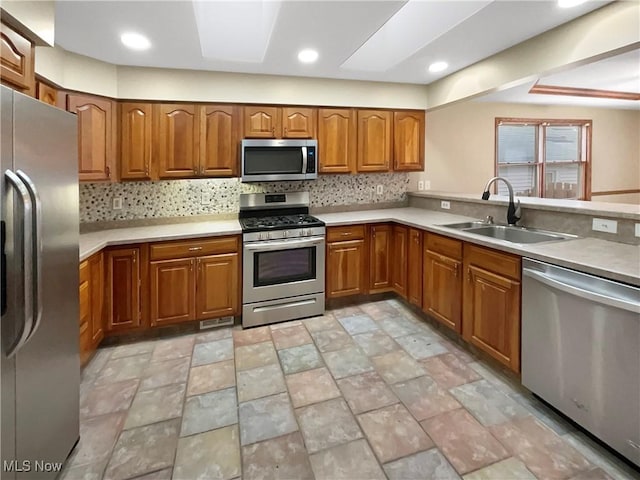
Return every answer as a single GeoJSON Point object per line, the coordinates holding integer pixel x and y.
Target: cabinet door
{"type": "Point", "coordinates": [298, 122]}
{"type": "Point", "coordinates": [135, 140]}
{"type": "Point", "coordinates": [337, 140]}
{"type": "Point", "coordinates": [18, 56]}
{"type": "Point", "coordinates": [218, 286]}
{"type": "Point", "coordinates": [123, 288]}
{"type": "Point", "coordinates": [493, 304]}
{"type": "Point", "coordinates": [262, 122]}
{"type": "Point", "coordinates": [379, 259]}
{"type": "Point", "coordinates": [219, 130]}
{"type": "Point", "coordinates": [178, 139]}
{"type": "Point", "coordinates": [346, 268]}
{"type": "Point", "coordinates": [96, 267]}
{"type": "Point", "coordinates": [47, 94]}
{"type": "Point", "coordinates": [442, 293]}
{"type": "Point", "coordinates": [399, 260]}
{"type": "Point", "coordinates": [95, 136]}
{"type": "Point", "coordinates": [84, 295]}
{"type": "Point", "coordinates": [173, 288]}
{"type": "Point", "coordinates": [375, 144]}
{"type": "Point", "coordinates": [414, 267]}
{"type": "Point", "coordinates": [408, 140]}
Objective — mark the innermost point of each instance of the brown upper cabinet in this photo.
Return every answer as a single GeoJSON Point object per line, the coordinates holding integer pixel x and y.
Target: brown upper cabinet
{"type": "Point", "coordinates": [279, 122]}
{"type": "Point", "coordinates": [18, 56]}
{"type": "Point", "coordinates": [408, 140]}
{"type": "Point", "coordinates": [47, 94]}
{"type": "Point", "coordinates": [337, 140]}
{"type": "Point", "coordinates": [219, 138]}
{"type": "Point", "coordinates": [178, 140]}
{"type": "Point", "coordinates": [135, 140]}
{"type": "Point", "coordinates": [96, 139]}
{"type": "Point", "coordinates": [375, 142]}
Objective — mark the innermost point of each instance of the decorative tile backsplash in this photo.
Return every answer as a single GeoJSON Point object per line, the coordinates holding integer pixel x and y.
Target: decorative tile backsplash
{"type": "Point", "coordinates": [176, 198]}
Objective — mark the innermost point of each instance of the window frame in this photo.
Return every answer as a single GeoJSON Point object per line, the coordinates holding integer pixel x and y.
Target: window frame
{"type": "Point", "coordinates": [584, 150]}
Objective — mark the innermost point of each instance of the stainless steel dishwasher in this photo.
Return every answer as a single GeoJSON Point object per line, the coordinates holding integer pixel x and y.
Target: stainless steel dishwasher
{"type": "Point", "coordinates": [581, 350]}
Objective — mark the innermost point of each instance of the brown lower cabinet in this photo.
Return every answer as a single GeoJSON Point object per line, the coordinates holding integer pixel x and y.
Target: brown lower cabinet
{"type": "Point", "coordinates": [186, 284]}
{"type": "Point", "coordinates": [398, 260]}
{"type": "Point", "coordinates": [346, 261]}
{"type": "Point", "coordinates": [91, 295]}
{"type": "Point", "coordinates": [380, 243]}
{"type": "Point", "coordinates": [492, 303]}
{"type": "Point", "coordinates": [442, 280]}
{"type": "Point", "coordinates": [414, 267]}
{"type": "Point", "coordinates": [123, 290]}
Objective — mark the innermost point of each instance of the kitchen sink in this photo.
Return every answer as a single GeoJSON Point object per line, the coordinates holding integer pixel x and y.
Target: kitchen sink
{"type": "Point", "coordinates": [510, 233]}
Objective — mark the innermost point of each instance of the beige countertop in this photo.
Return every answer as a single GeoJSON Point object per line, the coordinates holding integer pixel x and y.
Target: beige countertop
{"type": "Point", "coordinates": [606, 209]}
{"type": "Point", "coordinates": [93, 242]}
{"type": "Point", "coordinates": [612, 260]}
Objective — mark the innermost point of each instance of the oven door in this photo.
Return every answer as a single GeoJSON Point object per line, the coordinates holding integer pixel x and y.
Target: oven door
{"type": "Point", "coordinates": [278, 269]}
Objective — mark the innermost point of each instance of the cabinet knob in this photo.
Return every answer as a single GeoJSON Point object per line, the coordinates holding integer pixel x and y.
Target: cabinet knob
{"type": "Point", "coordinates": [195, 171]}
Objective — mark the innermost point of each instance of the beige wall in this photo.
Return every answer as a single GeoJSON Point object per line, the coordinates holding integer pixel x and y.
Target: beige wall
{"type": "Point", "coordinates": [460, 144]}
{"type": "Point", "coordinates": [82, 73]}
{"type": "Point", "coordinates": [37, 17]}
{"type": "Point", "coordinates": [599, 34]}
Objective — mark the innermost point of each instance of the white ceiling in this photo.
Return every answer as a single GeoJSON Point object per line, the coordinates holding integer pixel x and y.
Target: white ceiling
{"type": "Point", "coordinates": [620, 73]}
{"type": "Point", "coordinates": [366, 40]}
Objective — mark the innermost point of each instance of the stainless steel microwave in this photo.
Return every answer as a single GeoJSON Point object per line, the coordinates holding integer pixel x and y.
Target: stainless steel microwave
{"type": "Point", "coordinates": [279, 160]}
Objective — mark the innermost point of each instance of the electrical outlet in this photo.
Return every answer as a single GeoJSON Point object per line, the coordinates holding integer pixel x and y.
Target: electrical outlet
{"type": "Point", "coordinates": [379, 189]}
{"type": "Point", "coordinates": [427, 184]}
{"type": "Point", "coordinates": [637, 229]}
{"type": "Point", "coordinates": [117, 203]}
{"type": "Point", "coordinates": [602, 225]}
{"type": "Point", "coordinates": [421, 185]}
{"type": "Point", "coordinates": [205, 198]}
{"type": "Point", "coordinates": [445, 204]}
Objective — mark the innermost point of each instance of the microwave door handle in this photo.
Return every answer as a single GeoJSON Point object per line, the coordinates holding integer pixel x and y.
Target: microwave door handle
{"type": "Point", "coordinates": [304, 160]}
{"type": "Point", "coordinates": [37, 250]}
{"type": "Point", "coordinates": [27, 265]}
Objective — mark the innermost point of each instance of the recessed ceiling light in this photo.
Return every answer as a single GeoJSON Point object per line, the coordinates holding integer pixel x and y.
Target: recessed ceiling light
{"type": "Point", "coordinates": [135, 41]}
{"type": "Point", "coordinates": [569, 3]}
{"type": "Point", "coordinates": [307, 55]}
{"type": "Point", "coordinates": [436, 67]}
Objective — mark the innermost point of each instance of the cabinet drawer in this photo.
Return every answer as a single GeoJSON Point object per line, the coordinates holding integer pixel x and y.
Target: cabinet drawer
{"type": "Point", "coordinates": [193, 248]}
{"type": "Point", "coordinates": [446, 246]}
{"type": "Point", "coordinates": [336, 234]}
{"type": "Point", "coordinates": [493, 261]}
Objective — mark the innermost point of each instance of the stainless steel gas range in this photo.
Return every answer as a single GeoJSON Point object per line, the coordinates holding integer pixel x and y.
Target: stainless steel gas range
{"type": "Point", "coordinates": [283, 258]}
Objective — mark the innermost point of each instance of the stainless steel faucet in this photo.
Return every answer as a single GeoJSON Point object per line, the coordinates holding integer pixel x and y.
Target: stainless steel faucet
{"type": "Point", "coordinates": [513, 212]}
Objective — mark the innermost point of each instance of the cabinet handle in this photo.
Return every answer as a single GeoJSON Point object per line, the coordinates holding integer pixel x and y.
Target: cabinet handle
{"type": "Point", "coordinates": [134, 256]}
{"type": "Point", "coordinates": [191, 266]}
{"type": "Point", "coordinates": [195, 171]}
{"type": "Point", "coordinates": [107, 170]}
{"type": "Point", "coordinates": [455, 270]}
{"type": "Point", "coordinates": [194, 249]}
{"type": "Point", "coordinates": [285, 131]}
{"type": "Point", "coordinates": [273, 131]}
{"type": "Point", "coordinates": [345, 234]}
{"type": "Point", "coordinates": [468, 274]}
{"type": "Point", "coordinates": [146, 170]}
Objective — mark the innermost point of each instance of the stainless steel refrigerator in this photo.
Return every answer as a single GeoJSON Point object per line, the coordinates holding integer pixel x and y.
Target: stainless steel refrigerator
{"type": "Point", "coordinates": [40, 363]}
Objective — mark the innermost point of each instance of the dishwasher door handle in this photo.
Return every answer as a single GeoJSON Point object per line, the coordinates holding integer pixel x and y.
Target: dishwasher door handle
{"type": "Point", "coordinates": [581, 292]}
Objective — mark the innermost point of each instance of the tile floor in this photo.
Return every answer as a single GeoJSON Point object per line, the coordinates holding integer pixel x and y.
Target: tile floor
{"type": "Point", "coordinates": [360, 393]}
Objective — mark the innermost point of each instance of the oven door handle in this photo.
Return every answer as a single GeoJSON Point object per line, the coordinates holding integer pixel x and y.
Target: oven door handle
{"type": "Point", "coordinates": [274, 245]}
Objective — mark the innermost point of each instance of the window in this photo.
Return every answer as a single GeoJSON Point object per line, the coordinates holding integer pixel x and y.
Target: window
{"type": "Point", "coordinates": [544, 158]}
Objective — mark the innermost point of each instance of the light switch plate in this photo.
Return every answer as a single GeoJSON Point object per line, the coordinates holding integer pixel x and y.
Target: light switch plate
{"type": "Point", "coordinates": [205, 198]}
{"type": "Point", "coordinates": [602, 225]}
{"type": "Point", "coordinates": [117, 203]}
{"type": "Point", "coordinates": [427, 184]}
{"type": "Point", "coordinates": [637, 229]}
{"type": "Point", "coordinates": [445, 204]}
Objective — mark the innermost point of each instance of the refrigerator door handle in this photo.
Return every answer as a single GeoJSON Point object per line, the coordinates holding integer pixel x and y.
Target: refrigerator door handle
{"type": "Point", "coordinates": [37, 250]}
{"type": "Point", "coordinates": [27, 265]}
